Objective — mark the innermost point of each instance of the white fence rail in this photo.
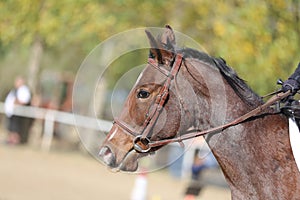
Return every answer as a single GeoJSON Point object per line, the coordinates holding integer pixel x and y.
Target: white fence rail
{"type": "Point", "coordinates": [51, 116]}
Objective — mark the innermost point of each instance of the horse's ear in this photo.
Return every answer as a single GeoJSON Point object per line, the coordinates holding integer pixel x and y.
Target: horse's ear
{"type": "Point", "coordinates": [155, 49]}
{"type": "Point", "coordinates": [163, 48]}
{"type": "Point", "coordinates": [168, 38]}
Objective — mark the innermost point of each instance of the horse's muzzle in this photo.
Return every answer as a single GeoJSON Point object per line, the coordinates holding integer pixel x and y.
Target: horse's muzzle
{"type": "Point", "coordinates": [107, 156]}
{"type": "Point", "coordinates": [128, 163]}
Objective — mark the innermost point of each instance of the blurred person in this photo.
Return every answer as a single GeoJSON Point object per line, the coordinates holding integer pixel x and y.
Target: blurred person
{"type": "Point", "coordinates": [18, 126]}
{"type": "Point", "coordinates": [195, 185]}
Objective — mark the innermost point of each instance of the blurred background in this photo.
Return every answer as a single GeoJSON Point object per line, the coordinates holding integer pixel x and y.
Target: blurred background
{"type": "Point", "coordinates": [46, 41]}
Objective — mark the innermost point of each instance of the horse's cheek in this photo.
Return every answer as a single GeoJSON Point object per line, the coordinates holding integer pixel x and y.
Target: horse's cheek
{"type": "Point", "coordinates": [138, 113]}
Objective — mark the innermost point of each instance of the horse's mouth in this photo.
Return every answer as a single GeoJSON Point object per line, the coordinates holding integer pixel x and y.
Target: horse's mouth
{"type": "Point", "coordinates": [129, 163]}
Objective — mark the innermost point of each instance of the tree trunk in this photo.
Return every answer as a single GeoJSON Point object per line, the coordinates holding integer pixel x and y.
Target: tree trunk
{"type": "Point", "coordinates": [34, 63]}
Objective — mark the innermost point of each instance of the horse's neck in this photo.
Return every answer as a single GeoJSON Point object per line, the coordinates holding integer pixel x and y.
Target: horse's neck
{"type": "Point", "coordinates": [256, 159]}
{"type": "Point", "coordinates": [255, 156]}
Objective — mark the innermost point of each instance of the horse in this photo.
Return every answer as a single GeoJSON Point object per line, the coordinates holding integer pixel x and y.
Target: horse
{"type": "Point", "coordinates": [182, 90]}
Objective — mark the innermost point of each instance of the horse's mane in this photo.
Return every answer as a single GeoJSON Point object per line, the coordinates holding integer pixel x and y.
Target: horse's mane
{"type": "Point", "coordinates": [238, 84]}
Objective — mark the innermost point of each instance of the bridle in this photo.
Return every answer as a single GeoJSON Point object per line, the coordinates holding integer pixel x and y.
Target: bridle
{"type": "Point", "coordinates": [142, 141]}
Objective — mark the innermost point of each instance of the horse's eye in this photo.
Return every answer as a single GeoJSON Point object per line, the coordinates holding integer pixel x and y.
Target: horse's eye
{"type": "Point", "coordinates": [143, 94]}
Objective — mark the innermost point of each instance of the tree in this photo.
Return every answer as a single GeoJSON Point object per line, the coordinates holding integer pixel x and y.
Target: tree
{"type": "Point", "coordinates": [260, 39]}
{"type": "Point", "coordinates": [253, 36]}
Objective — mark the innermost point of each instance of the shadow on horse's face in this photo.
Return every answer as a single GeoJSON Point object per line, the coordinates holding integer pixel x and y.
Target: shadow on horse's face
{"type": "Point", "coordinates": [117, 150]}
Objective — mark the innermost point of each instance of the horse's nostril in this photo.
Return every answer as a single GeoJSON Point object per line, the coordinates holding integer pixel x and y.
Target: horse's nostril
{"type": "Point", "coordinates": [107, 156]}
{"type": "Point", "coordinates": [104, 151]}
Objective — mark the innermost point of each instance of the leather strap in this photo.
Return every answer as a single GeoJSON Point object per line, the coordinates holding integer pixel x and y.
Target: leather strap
{"type": "Point", "coordinates": [217, 129]}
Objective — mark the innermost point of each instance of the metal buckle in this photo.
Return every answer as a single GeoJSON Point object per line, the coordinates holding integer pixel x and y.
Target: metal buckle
{"type": "Point", "coordinates": [141, 145]}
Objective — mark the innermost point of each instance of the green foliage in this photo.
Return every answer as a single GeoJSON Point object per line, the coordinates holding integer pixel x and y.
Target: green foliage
{"type": "Point", "coordinates": [260, 39]}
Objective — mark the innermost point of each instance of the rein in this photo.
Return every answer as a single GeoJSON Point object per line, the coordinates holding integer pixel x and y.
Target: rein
{"type": "Point", "coordinates": [142, 141]}
{"type": "Point", "coordinates": [243, 118]}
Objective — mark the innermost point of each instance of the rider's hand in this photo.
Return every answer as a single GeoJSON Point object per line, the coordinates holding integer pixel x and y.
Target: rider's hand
{"type": "Point", "coordinates": [291, 85]}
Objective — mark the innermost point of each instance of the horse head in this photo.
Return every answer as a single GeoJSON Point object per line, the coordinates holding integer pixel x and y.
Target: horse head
{"type": "Point", "coordinates": [178, 89]}
{"type": "Point", "coordinates": [147, 98]}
